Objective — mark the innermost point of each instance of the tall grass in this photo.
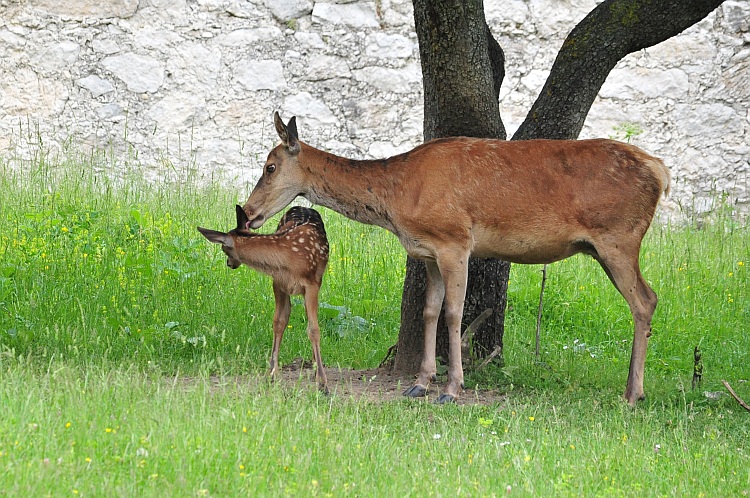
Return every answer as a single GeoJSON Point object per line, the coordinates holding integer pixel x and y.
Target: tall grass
{"type": "Point", "coordinates": [128, 354]}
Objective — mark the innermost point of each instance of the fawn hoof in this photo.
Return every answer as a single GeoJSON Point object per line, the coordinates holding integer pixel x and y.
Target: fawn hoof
{"type": "Point", "coordinates": [445, 399]}
{"type": "Point", "coordinates": [416, 391]}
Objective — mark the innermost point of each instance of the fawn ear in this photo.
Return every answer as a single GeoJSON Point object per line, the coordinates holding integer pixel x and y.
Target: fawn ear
{"type": "Point", "coordinates": [241, 217]}
{"type": "Point", "coordinates": [215, 237]}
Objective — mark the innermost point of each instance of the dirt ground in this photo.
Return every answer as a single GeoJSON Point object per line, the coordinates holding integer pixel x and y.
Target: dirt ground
{"type": "Point", "coordinates": [372, 385]}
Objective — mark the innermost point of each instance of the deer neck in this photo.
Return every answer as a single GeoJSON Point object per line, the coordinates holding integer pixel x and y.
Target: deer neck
{"type": "Point", "coordinates": [258, 251]}
{"type": "Point", "coordinates": [360, 190]}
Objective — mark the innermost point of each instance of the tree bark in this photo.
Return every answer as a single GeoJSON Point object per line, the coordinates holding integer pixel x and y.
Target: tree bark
{"type": "Point", "coordinates": [462, 70]}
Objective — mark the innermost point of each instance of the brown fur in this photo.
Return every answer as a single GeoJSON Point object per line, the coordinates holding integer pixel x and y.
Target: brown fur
{"type": "Point", "coordinates": [535, 201]}
{"type": "Point", "coordinates": [295, 257]}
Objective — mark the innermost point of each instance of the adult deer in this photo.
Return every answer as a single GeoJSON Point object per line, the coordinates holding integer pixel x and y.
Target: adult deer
{"type": "Point", "coordinates": [295, 256]}
{"type": "Point", "coordinates": [535, 201]}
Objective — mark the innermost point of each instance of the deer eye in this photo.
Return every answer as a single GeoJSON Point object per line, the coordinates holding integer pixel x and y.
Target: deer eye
{"type": "Point", "coordinates": [270, 168]}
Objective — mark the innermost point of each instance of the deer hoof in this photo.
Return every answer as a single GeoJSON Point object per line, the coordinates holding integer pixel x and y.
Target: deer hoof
{"type": "Point", "coordinates": [445, 399]}
{"type": "Point", "coordinates": [633, 400]}
{"type": "Point", "coordinates": [416, 391]}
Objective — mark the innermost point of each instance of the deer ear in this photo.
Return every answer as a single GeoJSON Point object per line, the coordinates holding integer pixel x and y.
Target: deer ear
{"type": "Point", "coordinates": [293, 142]}
{"type": "Point", "coordinates": [280, 128]}
{"type": "Point", "coordinates": [287, 133]}
{"type": "Point", "coordinates": [241, 217]}
{"type": "Point", "coordinates": [214, 236]}
{"type": "Point", "coordinates": [293, 139]}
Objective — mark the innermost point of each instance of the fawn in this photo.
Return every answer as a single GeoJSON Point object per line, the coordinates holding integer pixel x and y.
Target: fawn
{"type": "Point", "coordinates": [295, 256]}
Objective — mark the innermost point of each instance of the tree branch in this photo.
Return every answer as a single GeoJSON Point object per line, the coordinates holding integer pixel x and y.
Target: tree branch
{"type": "Point", "coordinates": [734, 395]}
{"type": "Point", "coordinates": [611, 31]}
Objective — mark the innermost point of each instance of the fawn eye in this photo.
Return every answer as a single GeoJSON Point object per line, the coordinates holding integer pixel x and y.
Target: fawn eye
{"type": "Point", "coordinates": [270, 168]}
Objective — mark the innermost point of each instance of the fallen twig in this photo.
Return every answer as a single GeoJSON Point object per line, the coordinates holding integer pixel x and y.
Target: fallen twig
{"type": "Point", "coordinates": [734, 395]}
{"type": "Point", "coordinates": [487, 360]}
{"type": "Point", "coordinates": [467, 351]}
{"type": "Point", "coordinates": [390, 355]}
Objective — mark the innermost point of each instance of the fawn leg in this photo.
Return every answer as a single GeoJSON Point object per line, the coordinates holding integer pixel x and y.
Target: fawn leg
{"type": "Point", "coordinates": [280, 320]}
{"type": "Point", "coordinates": [313, 333]}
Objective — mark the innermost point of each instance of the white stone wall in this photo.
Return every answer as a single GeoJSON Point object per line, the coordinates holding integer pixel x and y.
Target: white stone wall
{"type": "Point", "coordinates": [178, 86]}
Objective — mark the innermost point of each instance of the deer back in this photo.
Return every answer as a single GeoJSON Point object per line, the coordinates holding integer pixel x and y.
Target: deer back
{"type": "Point", "coordinates": [534, 201]}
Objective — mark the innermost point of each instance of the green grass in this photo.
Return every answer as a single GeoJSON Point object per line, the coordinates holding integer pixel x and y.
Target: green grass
{"type": "Point", "coordinates": [120, 432]}
{"type": "Point", "coordinates": [129, 356]}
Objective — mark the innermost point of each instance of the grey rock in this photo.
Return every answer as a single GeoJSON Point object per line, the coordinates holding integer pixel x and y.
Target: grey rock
{"type": "Point", "coordinates": [243, 9]}
{"type": "Point", "coordinates": [12, 38]}
{"type": "Point", "coordinates": [56, 57]}
{"type": "Point", "coordinates": [706, 120]}
{"type": "Point", "coordinates": [110, 112]}
{"type": "Point", "coordinates": [355, 15]}
{"type": "Point", "coordinates": [309, 40]}
{"type": "Point", "coordinates": [350, 70]}
{"type": "Point", "coordinates": [250, 36]}
{"type": "Point", "coordinates": [140, 73]}
{"type": "Point", "coordinates": [261, 75]}
{"type": "Point", "coordinates": [286, 10]}
{"type": "Point", "coordinates": [387, 46]}
{"type": "Point", "coordinates": [638, 83]}
{"type": "Point", "coordinates": [324, 67]}
{"type": "Point", "coordinates": [96, 85]}
{"type": "Point", "coordinates": [83, 9]}
{"type": "Point", "coordinates": [177, 111]}
{"type": "Point", "coordinates": [313, 112]}
{"type": "Point", "coordinates": [105, 46]}
{"type": "Point", "coordinates": [737, 15]}
{"type": "Point", "coordinates": [404, 80]}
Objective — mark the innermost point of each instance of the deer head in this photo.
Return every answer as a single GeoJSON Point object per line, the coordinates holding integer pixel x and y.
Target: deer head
{"type": "Point", "coordinates": [282, 178]}
{"type": "Point", "coordinates": [227, 240]}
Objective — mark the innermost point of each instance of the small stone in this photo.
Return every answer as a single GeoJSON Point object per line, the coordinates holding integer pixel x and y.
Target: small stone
{"type": "Point", "coordinates": [96, 85]}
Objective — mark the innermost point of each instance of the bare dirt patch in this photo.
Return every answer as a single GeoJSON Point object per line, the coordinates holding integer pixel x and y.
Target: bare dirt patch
{"type": "Point", "coordinates": [377, 385]}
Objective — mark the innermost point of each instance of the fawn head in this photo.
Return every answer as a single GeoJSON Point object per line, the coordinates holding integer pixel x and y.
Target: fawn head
{"type": "Point", "coordinates": [282, 179]}
{"type": "Point", "coordinates": [227, 240]}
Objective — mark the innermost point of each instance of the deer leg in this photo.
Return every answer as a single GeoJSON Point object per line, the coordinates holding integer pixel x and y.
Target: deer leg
{"type": "Point", "coordinates": [313, 333]}
{"type": "Point", "coordinates": [434, 294]}
{"type": "Point", "coordinates": [455, 275]}
{"type": "Point", "coordinates": [280, 320]}
{"type": "Point", "coordinates": [625, 274]}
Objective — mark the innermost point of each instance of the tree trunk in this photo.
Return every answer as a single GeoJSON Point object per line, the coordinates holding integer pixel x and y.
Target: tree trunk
{"type": "Point", "coordinates": [462, 70]}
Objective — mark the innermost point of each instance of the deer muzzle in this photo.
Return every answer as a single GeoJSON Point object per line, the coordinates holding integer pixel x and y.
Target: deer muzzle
{"type": "Point", "coordinates": [256, 222]}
